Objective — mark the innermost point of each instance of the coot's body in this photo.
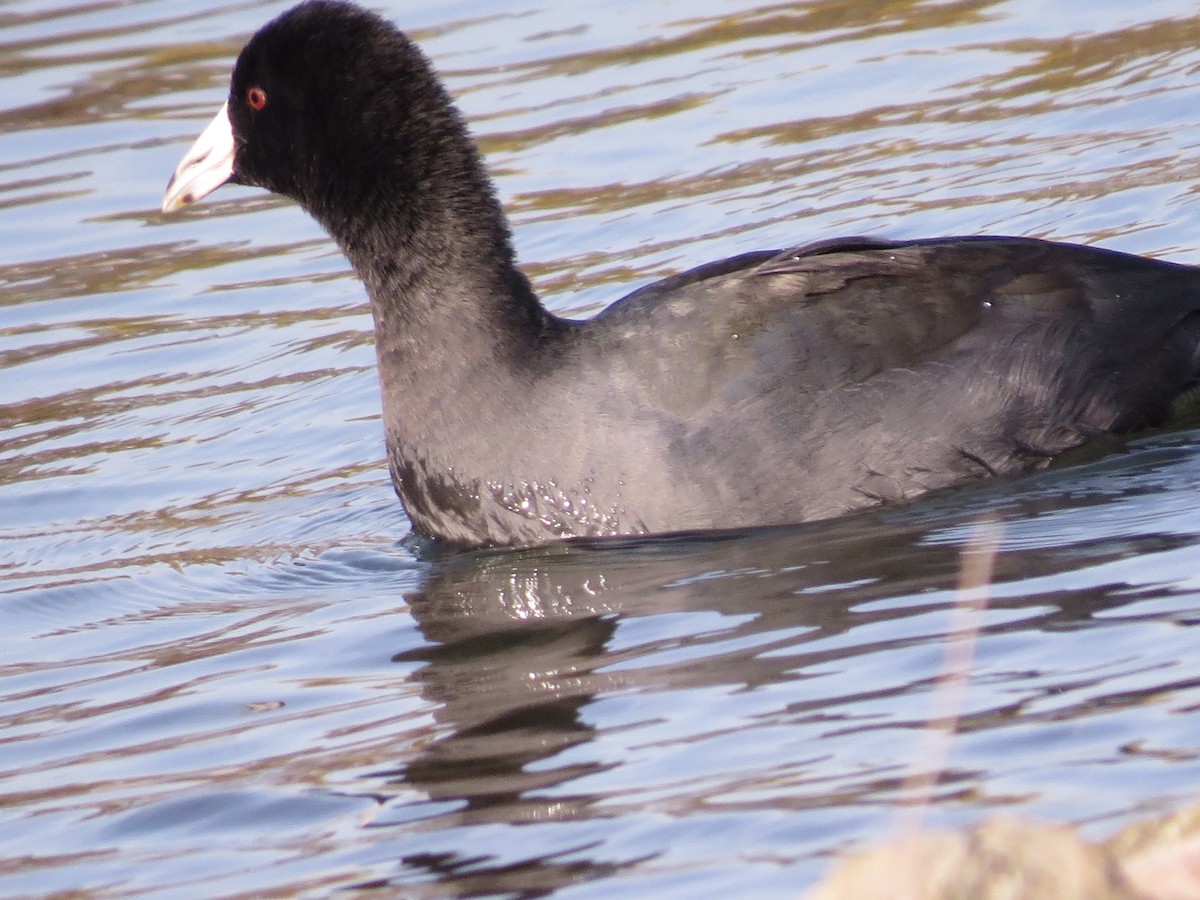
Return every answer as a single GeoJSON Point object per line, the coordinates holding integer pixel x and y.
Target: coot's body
{"type": "Point", "coordinates": [769, 388]}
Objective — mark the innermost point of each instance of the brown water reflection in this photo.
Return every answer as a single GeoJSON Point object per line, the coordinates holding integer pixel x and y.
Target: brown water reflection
{"type": "Point", "coordinates": [522, 645]}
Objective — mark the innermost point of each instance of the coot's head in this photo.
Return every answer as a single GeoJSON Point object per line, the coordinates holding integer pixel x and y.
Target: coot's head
{"type": "Point", "coordinates": [329, 104]}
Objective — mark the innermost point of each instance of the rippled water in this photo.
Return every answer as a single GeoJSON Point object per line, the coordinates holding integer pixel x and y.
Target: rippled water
{"type": "Point", "coordinates": [221, 672]}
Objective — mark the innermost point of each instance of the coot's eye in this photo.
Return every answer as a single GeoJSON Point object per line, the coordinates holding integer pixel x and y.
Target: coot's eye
{"type": "Point", "coordinates": [257, 98]}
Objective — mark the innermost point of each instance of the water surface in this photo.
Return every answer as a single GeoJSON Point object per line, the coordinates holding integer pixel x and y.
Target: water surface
{"type": "Point", "coordinates": [223, 671]}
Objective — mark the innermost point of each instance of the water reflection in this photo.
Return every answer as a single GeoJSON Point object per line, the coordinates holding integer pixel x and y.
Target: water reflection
{"type": "Point", "coordinates": [523, 646]}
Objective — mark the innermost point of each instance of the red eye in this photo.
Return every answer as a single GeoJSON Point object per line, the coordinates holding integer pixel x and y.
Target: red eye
{"type": "Point", "coordinates": [257, 98]}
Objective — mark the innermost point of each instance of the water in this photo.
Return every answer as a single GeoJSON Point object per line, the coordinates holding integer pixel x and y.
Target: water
{"type": "Point", "coordinates": [222, 672]}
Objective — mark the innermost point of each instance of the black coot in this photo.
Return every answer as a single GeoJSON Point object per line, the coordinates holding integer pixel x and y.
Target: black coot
{"type": "Point", "coordinates": [772, 387]}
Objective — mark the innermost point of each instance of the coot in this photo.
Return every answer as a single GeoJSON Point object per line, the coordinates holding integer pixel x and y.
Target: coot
{"type": "Point", "coordinates": [772, 387]}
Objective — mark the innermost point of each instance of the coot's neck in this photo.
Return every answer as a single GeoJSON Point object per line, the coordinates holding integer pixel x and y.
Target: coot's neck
{"type": "Point", "coordinates": [435, 247]}
{"type": "Point", "coordinates": [406, 196]}
{"type": "Point", "coordinates": [459, 332]}
{"type": "Point", "coordinates": [444, 286]}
